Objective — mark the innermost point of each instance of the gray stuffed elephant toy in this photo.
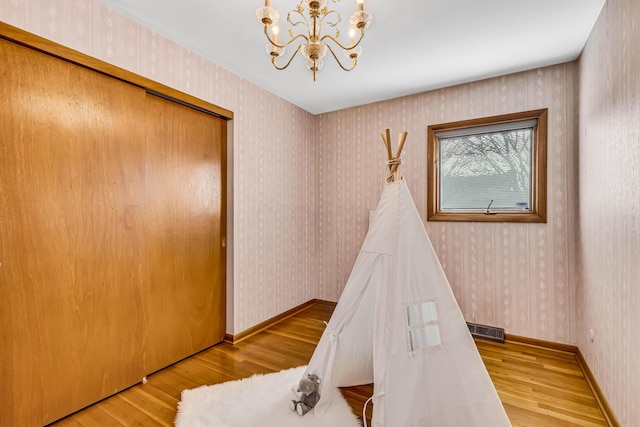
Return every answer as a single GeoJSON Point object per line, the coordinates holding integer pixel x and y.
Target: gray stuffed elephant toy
{"type": "Point", "coordinates": [309, 397]}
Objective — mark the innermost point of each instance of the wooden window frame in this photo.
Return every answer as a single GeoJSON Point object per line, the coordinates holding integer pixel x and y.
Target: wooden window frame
{"type": "Point", "coordinates": [538, 211]}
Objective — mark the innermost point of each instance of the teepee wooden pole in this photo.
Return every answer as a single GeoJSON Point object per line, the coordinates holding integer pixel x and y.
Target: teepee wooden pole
{"type": "Point", "coordinates": [394, 166]}
{"type": "Point", "coordinates": [386, 137]}
{"type": "Point", "coordinates": [398, 173]}
{"type": "Point", "coordinates": [398, 167]}
{"type": "Point", "coordinates": [401, 139]}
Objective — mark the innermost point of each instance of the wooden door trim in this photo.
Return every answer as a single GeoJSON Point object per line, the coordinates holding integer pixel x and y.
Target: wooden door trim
{"type": "Point", "coordinates": [24, 38]}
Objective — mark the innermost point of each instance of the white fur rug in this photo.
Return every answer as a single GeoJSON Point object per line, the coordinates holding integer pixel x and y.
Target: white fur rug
{"type": "Point", "coordinates": [259, 401]}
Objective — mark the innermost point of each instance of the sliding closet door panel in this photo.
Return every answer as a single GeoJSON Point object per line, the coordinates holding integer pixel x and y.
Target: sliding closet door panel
{"type": "Point", "coordinates": [71, 239]}
{"type": "Point", "coordinates": [183, 229]}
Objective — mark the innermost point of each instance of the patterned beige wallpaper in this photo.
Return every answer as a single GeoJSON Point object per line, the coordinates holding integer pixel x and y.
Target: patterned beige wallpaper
{"type": "Point", "coordinates": [609, 230]}
{"type": "Point", "coordinates": [517, 276]}
{"type": "Point", "coordinates": [273, 152]}
{"type": "Point", "coordinates": [285, 251]}
{"type": "Point", "coordinates": [300, 205]}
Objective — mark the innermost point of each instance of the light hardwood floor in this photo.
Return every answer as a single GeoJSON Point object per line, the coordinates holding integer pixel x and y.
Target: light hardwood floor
{"type": "Point", "coordinates": [538, 387]}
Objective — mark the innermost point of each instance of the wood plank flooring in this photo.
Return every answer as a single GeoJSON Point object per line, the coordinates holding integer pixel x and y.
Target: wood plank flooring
{"type": "Point", "coordinates": [538, 387]}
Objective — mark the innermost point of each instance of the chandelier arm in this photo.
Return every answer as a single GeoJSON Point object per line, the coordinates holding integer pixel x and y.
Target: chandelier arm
{"type": "Point", "coordinates": [332, 24]}
{"type": "Point", "coordinates": [273, 59]}
{"type": "Point", "coordinates": [355, 60]}
{"type": "Point", "coordinates": [266, 33]}
{"type": "Point", "coordinates": [305, 21]}
{"type": "Point", "coordinates": [328, 36]}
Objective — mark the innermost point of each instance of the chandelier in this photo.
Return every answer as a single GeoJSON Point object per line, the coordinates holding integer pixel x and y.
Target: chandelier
{"type": "Point", "coordinates": [307, 30]}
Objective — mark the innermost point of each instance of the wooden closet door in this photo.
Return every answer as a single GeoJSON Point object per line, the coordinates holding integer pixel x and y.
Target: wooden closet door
{"type": "Point", "coordinates": [111, 226]}
{"type": "Point", "coordinates": [184, 223]}
{"type": "Point", "coordinates": [72, 192]}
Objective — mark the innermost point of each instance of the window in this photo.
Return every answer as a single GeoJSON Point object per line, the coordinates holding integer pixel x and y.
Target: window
{"type": "Point", "coordinates": [492, 169]}
{"type": "Point", "coordinates": [423, 329]}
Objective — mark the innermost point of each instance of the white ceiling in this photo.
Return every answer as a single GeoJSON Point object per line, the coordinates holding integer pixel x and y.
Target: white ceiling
{"type": "Point", "coordinates": [411, 46]}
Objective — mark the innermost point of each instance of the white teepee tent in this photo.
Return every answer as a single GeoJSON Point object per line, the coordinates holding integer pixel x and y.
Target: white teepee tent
{"type": "Point", "coordinates": [397, 325]}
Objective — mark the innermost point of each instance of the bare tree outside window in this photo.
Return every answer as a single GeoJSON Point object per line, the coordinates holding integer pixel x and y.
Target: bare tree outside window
{"type": "Point", "coordinates": [478, 169]}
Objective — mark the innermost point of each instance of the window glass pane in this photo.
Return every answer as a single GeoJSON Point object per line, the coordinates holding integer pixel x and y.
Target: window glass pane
{"type": "Point", "coordinates": [432, 333]}
{"type": "Point", "coordinates": [476, 169]}
{"type": "Point", "coordinates": [415, 336]}
{"type": "Point", "coordinates": [413, 314]}
{"type": "Point", "coordinates": [429, 313]}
